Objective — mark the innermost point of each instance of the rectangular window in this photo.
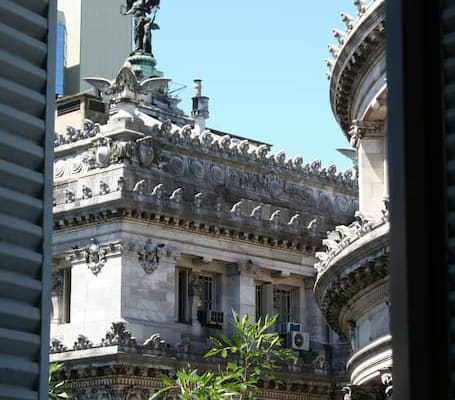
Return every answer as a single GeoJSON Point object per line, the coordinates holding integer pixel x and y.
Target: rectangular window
{"type": "Point", "coordinates": [282, 305]}
{"type": "Point", "coordinates": [259, 300]}
{"type": "Point", "coordinates": [183, 296]}
{"type": "Point", "coordinates": [66, 317]}
{"type": "Point", "coordinates": [207, 292]}
{"type": "Point", "coordinates": [204, 288]}
{"type": "Point", "coordinates": [61, 296]}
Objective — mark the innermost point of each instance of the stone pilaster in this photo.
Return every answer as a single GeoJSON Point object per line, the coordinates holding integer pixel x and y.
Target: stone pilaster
{"type": "Point", "coordinates": [369, 140]}
{"type": "Point", "coordinates": [240, 288]}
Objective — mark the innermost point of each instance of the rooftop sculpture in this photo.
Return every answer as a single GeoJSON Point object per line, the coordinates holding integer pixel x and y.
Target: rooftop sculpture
{"type": "Point", "coordinates": [144, 23]}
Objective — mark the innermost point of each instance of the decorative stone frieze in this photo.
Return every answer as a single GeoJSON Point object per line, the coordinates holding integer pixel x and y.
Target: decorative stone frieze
{"type": "Point", "coordinates": [146, 152]}
{"type": "Point", "coordinates": [104, 151]}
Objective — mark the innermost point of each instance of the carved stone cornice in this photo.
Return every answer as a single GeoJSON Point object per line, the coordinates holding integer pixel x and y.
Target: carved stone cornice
{"type": "Point", "coordinates": [283, 237]}
{"type": "Point", "coordinates": [360, 47]}
{"type": "Point", "coordinates": [344, 286]}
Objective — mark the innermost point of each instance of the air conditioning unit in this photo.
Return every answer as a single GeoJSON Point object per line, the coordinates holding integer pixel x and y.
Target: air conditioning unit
{"type": "Point", "coordinates": [287, 327]}
{"type": "Point", "coordinates": [299, 340]}
{"type": "Point", "coordinates": [214, 317]}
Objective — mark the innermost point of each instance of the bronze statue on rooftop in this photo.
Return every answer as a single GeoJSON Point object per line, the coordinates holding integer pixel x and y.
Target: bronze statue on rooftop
{"type": "Point", "coordinates": [144, 23]}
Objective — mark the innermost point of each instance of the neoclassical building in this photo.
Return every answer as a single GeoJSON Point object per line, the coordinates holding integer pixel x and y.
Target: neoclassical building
{"type": "Point", "coordinates": [162, 226]}
{"type": "Point", "coordinates": [352, 283]}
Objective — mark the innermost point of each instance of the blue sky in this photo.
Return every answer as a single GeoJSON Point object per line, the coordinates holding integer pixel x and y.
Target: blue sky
{"type": "Point", "coordinates": [262, 65]}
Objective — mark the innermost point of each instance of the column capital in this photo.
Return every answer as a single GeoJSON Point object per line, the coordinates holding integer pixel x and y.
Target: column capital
{"type": "Point", "coordinates": [365, 129]}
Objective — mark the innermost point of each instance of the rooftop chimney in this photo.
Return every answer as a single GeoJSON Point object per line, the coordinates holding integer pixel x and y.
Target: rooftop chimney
{"type": "Point", "coordinates": [200, 110]}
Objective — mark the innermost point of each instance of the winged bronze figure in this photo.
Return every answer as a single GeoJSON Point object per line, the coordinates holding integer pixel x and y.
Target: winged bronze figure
{"type": "Point", "coordinates": [143, 23]}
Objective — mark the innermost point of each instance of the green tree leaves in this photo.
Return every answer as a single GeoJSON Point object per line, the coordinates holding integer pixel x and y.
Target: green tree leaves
{"type": "Point", "coordinates": [252, 353]}
{"type": "Point", "coordinates": [57, 390]}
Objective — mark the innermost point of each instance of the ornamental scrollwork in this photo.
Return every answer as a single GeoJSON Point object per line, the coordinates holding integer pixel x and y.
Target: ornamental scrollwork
{"type": "Point", "coordinates": [89, 130]}
{"type": "Point", "coordinates": [118, 335]}
{"type": "Point", "coordinates": [82, 343]}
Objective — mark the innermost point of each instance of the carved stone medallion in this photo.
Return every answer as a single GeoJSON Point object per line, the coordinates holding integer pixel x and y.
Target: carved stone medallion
{"type": "Point", "coordinates": [217, 174]}
{"type": "Point", "coordinates": [197, 169]}
{"type": "Point", "coordinates": [177, 165]}
{"type": "Point", "coordinates": [342, 204]}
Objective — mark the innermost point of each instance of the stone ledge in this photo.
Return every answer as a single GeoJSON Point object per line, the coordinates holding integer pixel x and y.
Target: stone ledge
{"type": "Point", "coordinates": [368, 363]}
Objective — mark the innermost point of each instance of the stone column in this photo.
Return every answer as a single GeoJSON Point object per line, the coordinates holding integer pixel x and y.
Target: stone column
{"type": "Point", "coordinates": [368, 139]}
{"type": "Point", "coordinates": [240, 289]}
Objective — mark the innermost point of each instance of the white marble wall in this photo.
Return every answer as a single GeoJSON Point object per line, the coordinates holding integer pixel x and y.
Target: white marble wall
{"type": "Point", "coordinates": [95, 302]}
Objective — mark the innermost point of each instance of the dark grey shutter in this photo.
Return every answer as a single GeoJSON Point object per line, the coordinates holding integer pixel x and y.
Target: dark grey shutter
{"type": "Point", "coordinates": [27, 58]}
{"type": "Point", "coordinates": [448, 32]}
{"type": "Point", "coordinates": [420, 63]}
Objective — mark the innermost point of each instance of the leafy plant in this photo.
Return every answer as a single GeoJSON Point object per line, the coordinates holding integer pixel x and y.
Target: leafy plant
{"type": "Point", "coordinates": [57, 388]}
{"type": "Point", "coordinates": [252, 354]}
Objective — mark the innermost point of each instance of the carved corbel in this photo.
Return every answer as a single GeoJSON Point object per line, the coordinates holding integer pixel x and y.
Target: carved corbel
{"type": "Point", "coordinates": [361, 129]}
{"type": "Point", "coordinates": [355, 133]}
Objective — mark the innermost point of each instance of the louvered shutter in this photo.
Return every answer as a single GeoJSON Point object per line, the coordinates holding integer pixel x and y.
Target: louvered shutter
{"type": "Point", "coordinates": [27, 58]}
{"type": "Point", "coordinates": [448, 32]}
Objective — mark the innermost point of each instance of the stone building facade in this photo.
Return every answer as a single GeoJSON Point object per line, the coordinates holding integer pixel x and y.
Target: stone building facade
{"type": "Point", "coordinates": [352, 284]}
{"type": "Point", "coordinates": [163, 226]}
